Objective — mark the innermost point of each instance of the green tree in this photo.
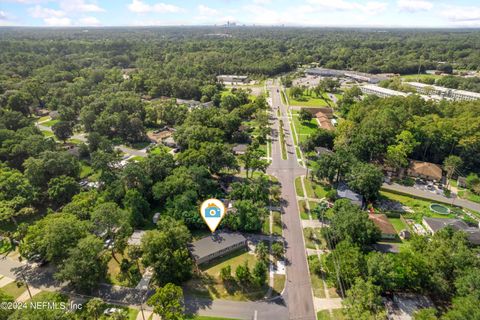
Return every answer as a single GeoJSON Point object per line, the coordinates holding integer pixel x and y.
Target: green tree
{"type": "Point", "coordinates": [52, 236]}
{"type": "Point", "coordinates": [43, 313]}
{"type": "Point", "coordinates": [94, 308]}
{"type": "Point", "coordinates": [137, 206]}
{"type": "Point", "coordinates": [61, 189]}
{"type": "Point", "coordinates": [259, 273]}
{"type": "Point", "coordinates": [278, 250]}
{"type": "Point", "coordinates": [464, 308]}
{"type": "Point", "coordinates": [243, 274]}
{"type": "Point", "coordinates": [62, 130]}
{"type": "Point", "coordinates": [85, 266]}
{"type": "Point", "coordinates": [425, 314]}
{"type": "Point", "coordinates": [366, 179]}
{"type": "Point", "coordinates": [166, 251]}
{"type": "Point", "coordinates": [451, 164]}
{"type": "Point", "coordinates": [253, 161]}
{"type": "Point", "coordinates": [226, 273]}
{"type": "Point", "coordinates": [363, 301]}
{"type": "Point", "coordinates": [167, 302]}
{"type": "Point", "coordinates": [82, 204]}
{"type": "Point", "coordinates": [345, 264]}
{"type": "Point", "coordinates": [5, 312]}
{"type": "Point", "coordinates": [261, 250]}
{"type": "Point", "coordinates": [304, 115]}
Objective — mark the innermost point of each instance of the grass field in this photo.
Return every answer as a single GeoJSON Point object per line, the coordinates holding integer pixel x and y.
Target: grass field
{"type": "Point", "coordinates": [313, 237]}
{"type": "Point", "coordinates": [467, 194]}
{"type": "Point", "coordinates": [278, 283]}
{"type": "Point", "coordinates": [398, 224]}
{"type": "Point", "coordinates": [85, 169]}
{"type": "Point", "coordinates": [416, 77]}
{"type": "Point", "coordinates": [308, 100]}
{"type": "Point", "coordinates": [50, 123]}
{"type": "Point", "coordinates": [304, 128]}
{"type": "Point", "coordinates": [298, 187]}
{"type": "Point", "coordinates": [233, 259]}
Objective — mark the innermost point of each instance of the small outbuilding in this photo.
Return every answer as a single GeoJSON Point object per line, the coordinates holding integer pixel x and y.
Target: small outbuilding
{"type": "Point", "coordinates": [385, 226]}
{"type": "Point", "coordinates": [217, 245]}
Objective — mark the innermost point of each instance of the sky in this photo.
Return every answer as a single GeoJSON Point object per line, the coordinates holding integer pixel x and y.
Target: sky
{"type": "Point", "coordinates": [331, 13]}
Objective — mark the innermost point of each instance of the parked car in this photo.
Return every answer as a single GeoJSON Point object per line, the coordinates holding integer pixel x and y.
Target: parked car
{"type": "Point", "coordinates": [110, 311]}
{"type": "Point", "coordinates": [38, 260]}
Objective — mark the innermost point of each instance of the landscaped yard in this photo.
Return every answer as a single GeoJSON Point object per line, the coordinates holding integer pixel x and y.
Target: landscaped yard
{"type": "Point", "coordinates": [278, 283]}
{"type": "Point", "coordinates": [303, 210]}
{"type": "Point", "coordinates": [304, 128]}
{"type": "Point", "coordinates": [209, 284]}
{"type": "Point", "coordinates": [467, 194]}
{"type": "Point", "coordinates": [115, 277]}
{"type": "Point", "coordinates": [49, 123]}
{"type": "Point", "coordinates": [85, 169]}
{"type": "Point", "coordinates": [398, 224]}
{"type": "Point", "coordinates": [422, 77]}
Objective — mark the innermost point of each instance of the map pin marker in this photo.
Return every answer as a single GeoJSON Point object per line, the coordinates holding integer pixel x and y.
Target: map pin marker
{"type": "Point", "coordinates": [212, 212]}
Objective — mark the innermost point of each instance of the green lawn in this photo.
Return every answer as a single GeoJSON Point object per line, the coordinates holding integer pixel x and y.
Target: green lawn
{"type": "Point", "coordinates": [308, 100]}
{"type": "Point", "coordinates": [398, 224]}
{"type": "Point", "coordinates": [50, 123]}
{"type": "Point", "coordinates": [44, 118]}
{"type": "Point", "coordinates": [85, 169]}
{"type": "Point", "coordinates": [298, 187]}
{"type": "Point", "coordinates": [416, 77]}
{"type": "Point", "coordinates": [467, 194]}
{"type": "Point", "coordinates": [48, 134]}
{"type": "Point", "coordinates": [294, 134]}
{"type": "Point", "coordinates": [277, 223]}
{"type": "Point", "coordinates": [137, 158]}
{"type": "Point", "coordinates": [233, 259]}
{"type": "Point", "coordinates": [12, 289]}
{"type": "Point", "coordinates": [303, 210]}
{"type": "Point", "coordinates": [266, 226]}
{"type": "Point", "coordinates": [316, 280]}
{"type": "Point", "coordinates": [278, 283]}
{"type": "Point", "coordinates": [304, 128]}
{"type": "Point", "coordinates": [308, 188]}
{"type": "Point", "coordinates": [325, 315]}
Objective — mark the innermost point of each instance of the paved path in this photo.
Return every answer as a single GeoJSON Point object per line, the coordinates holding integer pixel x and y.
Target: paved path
{"type": "Point", "coordinates": [312, 224]}
{"type": "Point", "coordinates": [26, 295]}
{"type": "Point", "coordinates": [328, 304]}
{"type": "Point", "coordinates": [5, 280]}
{"type": "Point", "coordinates": [432, 196]}
{"type": "Point", "coordinates": [298, 291]}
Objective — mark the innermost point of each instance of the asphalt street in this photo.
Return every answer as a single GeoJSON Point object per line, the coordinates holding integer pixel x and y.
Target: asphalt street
{"type": "Point", "coordinates": [298, 292]}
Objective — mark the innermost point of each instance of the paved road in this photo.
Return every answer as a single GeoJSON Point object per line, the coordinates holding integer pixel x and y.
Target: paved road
{"type": "Point", "coordinates": [298, 292]}
{"type": "Point", "coordinates": [432, 196]}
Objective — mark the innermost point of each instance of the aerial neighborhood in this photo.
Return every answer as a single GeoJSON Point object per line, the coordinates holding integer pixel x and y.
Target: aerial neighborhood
{"type": "Point", "coordinates": [348, 181]}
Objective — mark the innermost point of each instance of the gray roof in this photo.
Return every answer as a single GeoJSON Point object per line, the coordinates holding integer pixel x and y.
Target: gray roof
{"type": "Point", "coordinates": [240, 148]}
{"type": "Point", "coordinates": [473, 234]}
{"type": "Point", "coordinates": [214, 243]}
{"type": "Point", "coordinates": [323, 150]}
{"type": "Point", "coordinates": [386, 247]}
{"type": "Point", "coordinates": [345, 193]}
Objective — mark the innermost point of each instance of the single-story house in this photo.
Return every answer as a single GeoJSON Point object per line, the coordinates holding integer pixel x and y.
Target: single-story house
{"type": "Point", "coordinates": [159, 135]}
{"type": "Point", "coordinates": [169, 142]}
{"type": "Point", "coordinates": [321, 151]}
{"type": "Point", "coordinates": [216, 245]}
{"type": "Point", "coordinates": [324, 121]}
{"type": "Point", "coordinates": [404, 305]}
{"type": "Point", "coordinates": [385, 226]}
{"type": "Point", "coordinates": [240, 148]}
{"type": "Point", "coordinates": [343, 192]}
{"type": "Point", "coordinates": [426, 170]}
{"type": "Point", "coordinates": [433, 225]}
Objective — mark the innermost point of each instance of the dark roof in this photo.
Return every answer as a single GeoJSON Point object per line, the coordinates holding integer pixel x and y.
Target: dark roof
{"type": "Point", "coordinates": [345, 193]}
{"type": "Point", "coordinates": [381, 221]}
{"type": "Point", "coordinates": [214, 243]}
{"type": "Point", "coordinates": [240, 148]}
{"type": "Point", "coordinates": [473, 234]}
{"type": "Point", "coordinates": [386, 247]}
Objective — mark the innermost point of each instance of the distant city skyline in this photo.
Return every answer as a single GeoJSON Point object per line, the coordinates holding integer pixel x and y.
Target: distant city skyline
{"type": "Point", "coordinates": [328, 13]}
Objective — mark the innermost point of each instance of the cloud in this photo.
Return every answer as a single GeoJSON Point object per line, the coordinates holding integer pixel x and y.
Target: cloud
{"type": "Point", "coordinates": [262, 2]}
{"type": "Point", "coordinates": [89, 21]}
{"type": "Point", "coordinates": [58, 22]}
{"type": "Point", "coordinates": [467, 16]}
{"type": "Point", "coordinates": [79, 6]}
{"type": "Point", "coordinates": [3, 16]}
{"type": "Point", "coordinates": [414, 5]}
{"type": "Point", "coordinates": [370, 7]}
{"type": "Point", "coordinates": [139, 6]}
{"type": "Point", "coordinates": [44, 13]}
{"type": "Point", "coordinates": [206, 11]}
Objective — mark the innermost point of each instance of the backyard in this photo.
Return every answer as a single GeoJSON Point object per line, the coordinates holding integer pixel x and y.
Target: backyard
{"type": "Point", "coordinates": [309, 99]}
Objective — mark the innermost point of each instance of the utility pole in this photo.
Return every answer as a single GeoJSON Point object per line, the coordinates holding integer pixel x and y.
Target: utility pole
{"type": "Point", "coordinates": [26, 284]}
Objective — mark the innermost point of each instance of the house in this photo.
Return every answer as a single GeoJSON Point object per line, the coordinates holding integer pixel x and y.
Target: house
{"type": "Point", "coordinates": [136, 238]}
{"type": "Point", "coordinates": [433, 225]}
{"type": "Point", "coordinates": [321, 151]}
{"type": "Point", "coordinates": [385, 226]}
{"type": "Point", "coordinates": [240, 149]}
{"type": "Point", "coordinates": [404, 305]}
{"type": "Point", "coordinates": [216, 245]}
{"type": "Point", "coordinates": [343, 192]}
{"type": "Point", "coordinates": [158, 135]}
{"type": "Point", "coordinates": [324, 121]}
{"type": "Point", "coordinates": [426, 170]}
{"type": "Point", "coordinates": [169, 142]}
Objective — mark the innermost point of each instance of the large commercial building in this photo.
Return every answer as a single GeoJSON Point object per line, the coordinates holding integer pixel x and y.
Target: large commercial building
{"type": "Point", "coordinates": [445, 93]}
{"type": "Point", "coordinates": [232, 79]}
{"type": "Point", "coordinates": [357, 76]}
{"type": "Point", "coordinates": [381, 92]}
{"type": "Point", "coordinates": [217, 245]}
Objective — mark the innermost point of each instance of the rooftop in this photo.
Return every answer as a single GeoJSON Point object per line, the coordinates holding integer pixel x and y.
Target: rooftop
{"type": "Point", "coordinates": [427, 169]}
{"type": "Point", "coordinates": [473, 234]}
{"type": "Point", "coordinates": [381, 221]}
{"type": "Point", "coordinates": [345, 193]}
{"type": "Point", "coordinates": [214, 243]}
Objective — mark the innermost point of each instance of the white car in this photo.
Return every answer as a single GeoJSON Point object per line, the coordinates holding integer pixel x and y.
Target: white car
{"type": "Point", "coordinates": [110, 311]}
